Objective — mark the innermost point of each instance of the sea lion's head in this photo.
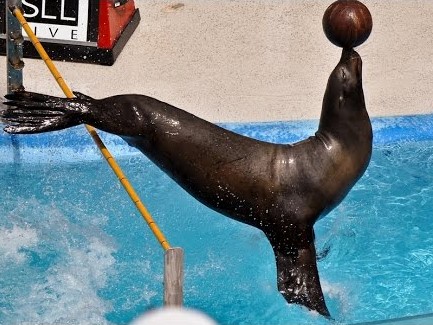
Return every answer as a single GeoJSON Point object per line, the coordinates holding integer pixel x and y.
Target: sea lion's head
{"type": "Point", "coordinates": [345, 82]}
{"type": "Point", "coordinates": [344, 96]}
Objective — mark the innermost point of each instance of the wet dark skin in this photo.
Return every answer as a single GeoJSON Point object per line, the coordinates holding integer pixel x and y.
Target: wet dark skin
{"type": "Point", "coordinates": [282, 189]}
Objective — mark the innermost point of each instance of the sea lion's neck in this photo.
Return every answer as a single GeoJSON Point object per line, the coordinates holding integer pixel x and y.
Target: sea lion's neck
{"type": "Point", "coordinates": [340, 125]}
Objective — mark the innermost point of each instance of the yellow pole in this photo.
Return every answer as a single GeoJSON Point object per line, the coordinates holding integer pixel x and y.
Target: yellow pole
{"type": "Point", "coordinates": [107, 155]}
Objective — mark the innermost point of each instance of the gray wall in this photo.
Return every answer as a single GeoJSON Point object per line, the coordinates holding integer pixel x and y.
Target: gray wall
{"type": "Point", "coordinates": [257, 60]}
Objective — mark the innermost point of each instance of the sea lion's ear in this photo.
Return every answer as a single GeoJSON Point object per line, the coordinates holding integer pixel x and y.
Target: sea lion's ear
{"type": "Point", "coordinates": [343, 74]}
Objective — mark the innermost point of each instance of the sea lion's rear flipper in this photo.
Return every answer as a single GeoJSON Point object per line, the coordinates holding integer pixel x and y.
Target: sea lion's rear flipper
{"type": "Point", "coordinates": [29, 112]}
{"type": "Point", "coordinates": [298, 278]}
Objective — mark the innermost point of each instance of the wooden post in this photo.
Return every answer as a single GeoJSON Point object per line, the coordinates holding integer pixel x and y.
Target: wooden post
{"type": "Point", "coordinates": [173, 277]}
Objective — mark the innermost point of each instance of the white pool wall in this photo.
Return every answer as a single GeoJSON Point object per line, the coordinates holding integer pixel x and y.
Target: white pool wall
{"type": "Point", "coordinates": [257, 60]}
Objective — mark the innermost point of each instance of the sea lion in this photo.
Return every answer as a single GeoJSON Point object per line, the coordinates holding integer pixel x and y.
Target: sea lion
{"type": "Point", "coordinates": [281, 189]}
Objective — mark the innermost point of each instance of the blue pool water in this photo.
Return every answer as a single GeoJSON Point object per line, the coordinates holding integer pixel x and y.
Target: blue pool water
{"type": "Point", "coordinates": [73, 250]}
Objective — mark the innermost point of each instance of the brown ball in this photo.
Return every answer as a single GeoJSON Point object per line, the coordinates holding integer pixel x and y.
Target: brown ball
{"type": "Point", "coordinates": [347, 23]}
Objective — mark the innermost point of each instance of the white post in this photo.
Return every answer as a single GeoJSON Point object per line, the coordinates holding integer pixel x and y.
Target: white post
{"type": "Point", "coordinates": [173, 277]}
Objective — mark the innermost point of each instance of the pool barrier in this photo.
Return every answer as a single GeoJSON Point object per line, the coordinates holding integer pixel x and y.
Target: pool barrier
{"type": "Point", "coordinates": [174, 256]}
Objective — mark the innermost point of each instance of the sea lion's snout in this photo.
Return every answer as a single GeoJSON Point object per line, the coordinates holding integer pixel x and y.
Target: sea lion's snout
{"type": "Point", "coordinates": [349, 54]}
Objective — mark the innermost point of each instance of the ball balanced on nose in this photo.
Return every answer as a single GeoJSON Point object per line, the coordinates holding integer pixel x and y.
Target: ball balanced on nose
{"type": "Point", "coordinates": [347, 23]}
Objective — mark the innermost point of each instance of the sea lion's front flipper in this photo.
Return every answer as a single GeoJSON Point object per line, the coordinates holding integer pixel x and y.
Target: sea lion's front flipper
{"type": "Point", "coordinates": [298, 278]}
{"type": "Point", "coordinates": [29, 112]}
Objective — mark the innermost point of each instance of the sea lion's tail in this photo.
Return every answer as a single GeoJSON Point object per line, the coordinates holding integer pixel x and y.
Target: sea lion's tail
{"type": "Point", "coordinates": [29, 112]}
{"type": "Point", "coordinates": [298, 278]}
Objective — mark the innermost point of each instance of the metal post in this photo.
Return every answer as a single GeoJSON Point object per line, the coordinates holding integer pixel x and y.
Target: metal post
{"type": "Point", "coordinates": [173, 277]}
{"type": "Point", "coordinates": [14, 62]}
{"type": "Point", "coordinates": [14, 48]}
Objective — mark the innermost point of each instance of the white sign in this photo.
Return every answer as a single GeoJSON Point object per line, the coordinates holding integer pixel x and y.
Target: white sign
{"type": "Point", "coordinates": [58, 19]}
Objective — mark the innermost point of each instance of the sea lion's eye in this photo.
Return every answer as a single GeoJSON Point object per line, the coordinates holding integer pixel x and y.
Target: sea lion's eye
{"type": "Point", "coordinates": [343, 74]}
